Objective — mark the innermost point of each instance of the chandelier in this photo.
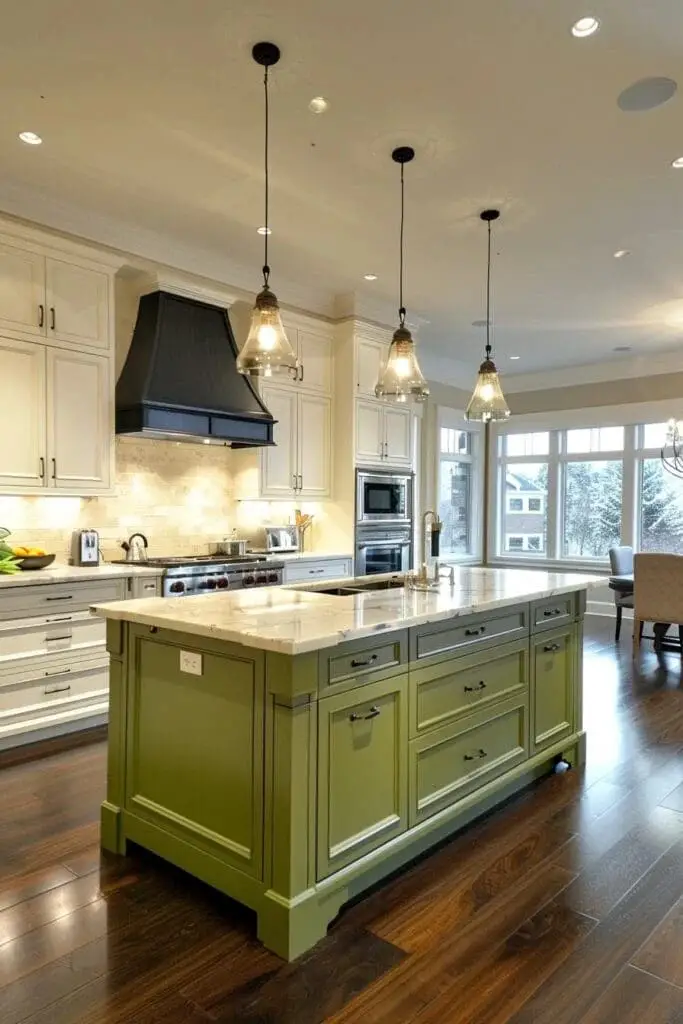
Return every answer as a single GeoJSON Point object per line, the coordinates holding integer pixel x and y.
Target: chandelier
{"type": "Point", "coordinates": [672, 452]}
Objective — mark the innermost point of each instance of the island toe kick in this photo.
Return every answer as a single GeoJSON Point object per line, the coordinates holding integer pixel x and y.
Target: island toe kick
{"type": "Point", "coordinates": [292, 783]}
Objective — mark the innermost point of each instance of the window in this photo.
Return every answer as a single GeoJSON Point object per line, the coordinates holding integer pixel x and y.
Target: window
{"type": "Point", "coordinates": [456, 491]}
{"type": "Point", "coordinates": [571, 494]}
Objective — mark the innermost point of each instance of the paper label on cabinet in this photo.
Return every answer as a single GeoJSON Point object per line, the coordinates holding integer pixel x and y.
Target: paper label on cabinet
{"type": "Point", "coordinates": [191, 662]}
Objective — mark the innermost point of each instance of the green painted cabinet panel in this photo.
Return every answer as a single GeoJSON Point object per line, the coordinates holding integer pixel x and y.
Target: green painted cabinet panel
{"type": "Point", "coordinates": [447, 764]}
{"type": "Point", "coordinates": [185, 729]}
{"type": "Point", "coordinates": [451, 690]}
{"type": "Point", "coordinates": [362, 771]}
{"type": "Point", "coordinates": [553, 685]}
{"type": "Point", "coordinates": [469, 633]}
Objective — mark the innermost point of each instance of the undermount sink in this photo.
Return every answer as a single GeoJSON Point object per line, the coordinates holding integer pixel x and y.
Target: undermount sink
{"type": "Point", "coordinates": [351, 588]}
{"type": "Point", "coordinates": [393, 584]}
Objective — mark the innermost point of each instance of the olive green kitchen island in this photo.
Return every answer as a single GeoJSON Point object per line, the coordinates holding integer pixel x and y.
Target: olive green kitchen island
{"type": "Point", "coordinates": [292, 748]}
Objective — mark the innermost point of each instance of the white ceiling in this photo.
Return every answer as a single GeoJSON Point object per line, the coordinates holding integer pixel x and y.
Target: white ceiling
{"type": "Point", "coordinates": [152, 117]}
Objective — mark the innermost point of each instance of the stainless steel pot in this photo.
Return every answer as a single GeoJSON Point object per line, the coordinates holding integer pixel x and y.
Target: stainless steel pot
{"type": "Point", "coordinates": [231, 547]}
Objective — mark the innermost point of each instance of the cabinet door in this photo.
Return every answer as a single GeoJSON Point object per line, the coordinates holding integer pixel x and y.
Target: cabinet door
{"type": "Point", "coordinates": [22, 290]}
{"type": "Point", "coordinates": [80, 425]}
{"type": "Point", "coordinates": [22, 414]}
{"type": "Point", "coordinates": [279, 464]}
{"type": "Point", "coordinates": [369, 433]}
{"type": "Point", "coordinates": [315, 354]}
{"type": "Point", "coordinates": [398, 434]}
{"type": "Point", "coordinates": [553, 683]}
{"type": "Point", "coordinates": [78, 307]}
{"type": "Point", "coordinates": [315, 448]}
{"type": "Point", "coordinates": [370, 357]}
{"type": "Point", "coordinates": [362, 771]}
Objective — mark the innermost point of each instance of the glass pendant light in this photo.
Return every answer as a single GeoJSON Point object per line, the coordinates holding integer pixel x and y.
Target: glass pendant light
{"type": "Point", "coordinates": [267, 349]}
{"type": "Point", "coordinates": [488, 402]}
{"type": "Point", "coordinates": [401, 378]}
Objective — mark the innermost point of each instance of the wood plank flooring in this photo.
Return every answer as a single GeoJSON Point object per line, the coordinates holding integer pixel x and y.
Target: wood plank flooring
{"type": "Point", "coordinates": [564, 907]}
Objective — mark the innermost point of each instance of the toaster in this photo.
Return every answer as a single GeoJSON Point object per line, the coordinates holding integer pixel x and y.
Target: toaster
{"type": "Point", "coordinates": [85, 547]}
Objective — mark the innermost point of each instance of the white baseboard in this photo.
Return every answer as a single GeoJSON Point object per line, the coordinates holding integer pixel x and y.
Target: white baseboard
{"type": "Point", "coordinates": [606, 608]}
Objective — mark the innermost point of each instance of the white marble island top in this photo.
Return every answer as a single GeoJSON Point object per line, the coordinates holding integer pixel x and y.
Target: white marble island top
{"type": "Point", "coordinates": [293, 621]}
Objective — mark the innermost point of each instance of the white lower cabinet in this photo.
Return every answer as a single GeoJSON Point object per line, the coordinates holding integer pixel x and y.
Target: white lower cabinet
{"type": "Point", "coordinates": [56, 414]}
{"type": "Point", "coordinates": [300, 570]}
{"type": "Point", "coordinates": [299, 465]}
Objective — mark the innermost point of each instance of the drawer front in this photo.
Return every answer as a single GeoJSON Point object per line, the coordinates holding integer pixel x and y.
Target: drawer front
{"type": "Point", "coordinates": [554, 687]}
{"type": "Point", "coordinates": [449, 763]}
{"type": "Point", "coordinates": [58, 598]}
{"type": "Point", "coordinates": [78, 633]}
{"type": "Point", "coordinates": [53, 689]}
{"type": "Point", "coordinates": [329, 569]}
{"type": "Point", "coordinates": [463, 635]}
{"type": "Point", "coordinates": [450, 690]}
{"type": "Point", "coordinates": [364, 660]}
{"type": "Point", "coordinates": [553, 612]}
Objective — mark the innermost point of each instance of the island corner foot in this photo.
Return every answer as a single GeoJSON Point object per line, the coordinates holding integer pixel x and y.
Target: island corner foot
{"type": "Point", "coordinates": [292, 927]}
{"type": "Point", "coordinates": [112, 837]}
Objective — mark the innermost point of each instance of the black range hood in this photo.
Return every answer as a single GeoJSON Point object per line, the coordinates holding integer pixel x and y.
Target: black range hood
{"type": "Point", "coordinates": [180, 380]}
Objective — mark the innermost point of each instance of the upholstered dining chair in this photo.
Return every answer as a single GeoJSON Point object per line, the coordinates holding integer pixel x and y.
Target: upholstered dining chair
{"type": "Point", "coordinates": [658, 592]}
{"type": "Point", "coordinates": [621, 564]}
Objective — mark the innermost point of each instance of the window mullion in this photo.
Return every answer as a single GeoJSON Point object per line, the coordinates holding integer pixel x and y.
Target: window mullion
{"type": "Point", "coordinates": [629, 493]}
{"type": "Point", "coordinates": [553, 505]}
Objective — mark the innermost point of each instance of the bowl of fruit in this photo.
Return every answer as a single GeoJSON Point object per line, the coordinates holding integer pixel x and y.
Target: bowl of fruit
{"type": "Point", "coordinates": [15, 559]}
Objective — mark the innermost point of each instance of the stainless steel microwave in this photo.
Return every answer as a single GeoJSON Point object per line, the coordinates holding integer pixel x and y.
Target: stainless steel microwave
{"type": "Point", "coordinates": [384, 498]}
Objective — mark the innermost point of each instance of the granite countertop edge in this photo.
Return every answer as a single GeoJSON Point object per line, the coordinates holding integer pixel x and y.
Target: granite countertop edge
{"type": "Point", "coordinates": [58, 573]}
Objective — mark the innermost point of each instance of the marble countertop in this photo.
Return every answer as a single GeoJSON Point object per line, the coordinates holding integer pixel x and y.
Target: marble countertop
{"type": "Point", "coordinates": [60, 573]}
{"type": "Point", "coordinates": [293, 621]}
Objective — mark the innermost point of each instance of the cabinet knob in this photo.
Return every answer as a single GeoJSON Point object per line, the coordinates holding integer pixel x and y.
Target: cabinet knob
{"type": "Point", "coordinates": [476, 756]}
{"type": "Point", "coordinates": [372, 713]}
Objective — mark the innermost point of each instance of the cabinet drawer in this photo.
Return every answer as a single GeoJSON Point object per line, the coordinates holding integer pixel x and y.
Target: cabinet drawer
{"type": "Point", "coordinates": [553, 612]}
{"type": "Point", "coordinates": [447, 764]}
{"type": "Point", "coordinates": [450, 690]}
{"type": "Point", "coordinates": [328, 569]}
{"type": "Point", "coordinates": [364, 659]}
{"type": "Point", "coordinates": [472, 631]}
{"type": "Point", "coordinates": [35, 639]}
{"type": "Point", "coordinates": [53, 688]}
{"type": "Point", "coordinates": [58, 598]}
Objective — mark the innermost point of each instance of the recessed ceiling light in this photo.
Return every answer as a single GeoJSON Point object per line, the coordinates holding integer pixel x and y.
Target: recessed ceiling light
{"type": "Point", "coordinates": [318, 105]}
{"type": "Point", "coordinates": [585, 27]}
{"type": "Point", "coordinates": [620, 253]}
{"type": "Point", "coordinates": [622, 348]}
{"type": "Point", "coordinates": [677, 163]}
{"type": "Point", "coordinates": [515, 357]}
{"type": "Point", "coordinates": [370, 277]}
{"type": "Point", "coordinates": [264, 231]}
{"type": "Point", "coordinates": [30, 138]}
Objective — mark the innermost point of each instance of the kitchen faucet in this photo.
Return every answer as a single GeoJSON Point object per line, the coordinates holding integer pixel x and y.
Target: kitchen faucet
{"type": "Point", "coordinates": [423, 580]}
{"type": "Point", "coordinates": [135, 548]}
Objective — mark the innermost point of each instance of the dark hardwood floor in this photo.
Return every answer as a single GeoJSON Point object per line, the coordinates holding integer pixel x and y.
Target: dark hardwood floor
{"type": "Point", "coordinates": [564, 907]}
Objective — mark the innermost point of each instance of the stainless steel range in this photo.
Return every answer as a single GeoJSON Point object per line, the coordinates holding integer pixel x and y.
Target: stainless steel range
{"type": "Point", "coordinates": [191, 575]}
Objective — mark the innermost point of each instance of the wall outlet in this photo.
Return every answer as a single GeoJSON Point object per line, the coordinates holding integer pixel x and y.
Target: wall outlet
{"type": "Point", "coordinates": [191, 662]}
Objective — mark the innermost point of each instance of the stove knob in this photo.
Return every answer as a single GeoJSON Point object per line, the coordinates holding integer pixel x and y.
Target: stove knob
{"type": "Point", "coordinates": [273, 577]}
{"type": "Point", "coordinates": [261, 580]}
{"type": "Point", "coordinates": [249, 581]}
{"type": "Point", "coordinates": [177, 588]}
{"type": "Point", "coordinates": [210, 584]}
{"type": "Point", "coordinates": [222, 583]}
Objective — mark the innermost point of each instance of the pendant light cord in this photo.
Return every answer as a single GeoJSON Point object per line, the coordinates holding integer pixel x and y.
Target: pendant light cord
{"type": "Point", "coordinates": [266, 268]}
{"type": "Point", "coordinates": [488, 298]}
{"type": "Point", "coordinates": [401, 310]}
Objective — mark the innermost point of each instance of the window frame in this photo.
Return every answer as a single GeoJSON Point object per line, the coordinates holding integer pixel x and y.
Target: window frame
{"type": "Point", "coordinates": [454, 419]}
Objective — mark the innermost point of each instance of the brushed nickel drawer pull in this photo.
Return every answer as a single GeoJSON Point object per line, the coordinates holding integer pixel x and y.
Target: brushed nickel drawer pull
{"type": "Point", "coordinates": [477, 756]}
{"type": "Point", "coordinates": [481, 685]}
{"type": "Point", "coordinates": [549, 612]}
{"type": "Point", "coordinates": [475, 632]}
{"type": "Point", "coordinates": [59, 672]}
{"type": "Point", "coordinates": [53, 318]}
{"type": "Point", "coordinates": [550, 648]}
{"type": "Point", "coordinates": [41, 461]}
{"type": "Point", "coordinates": [54, 639]}
{"type": "Point", "coordinates": [372, 713]}
{"type": "Point", "coordinates": [363, 664]}
{"type": "Point", "coordinates": [41, 315]}
{"type": "Point", "coordinates": [61, 618]}
{"type": "Point", "coordinates": [67, 597]}
{"type": "Point", "coordinates": [56, 688]}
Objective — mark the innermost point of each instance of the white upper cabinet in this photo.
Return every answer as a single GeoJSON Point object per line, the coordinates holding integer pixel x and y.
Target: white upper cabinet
{"type": "Point", "coordinates": [279, 464]}
{"type": "Point", "coordinates": [315, 356]}
{"type": "Point", "coordinates": [22, 290]}
{"type": "Point", "coordinates": [22, 415]}
{"type": "Point", "coordinates": [77, 304]}
{"type": "Point", "coordinates": [62, 300]}
{"type": "Point", "coordinates": [370, 357]}
{"type": "Point", "coordinates": [398, 433]}
{"type": "Point", "coordinates": [315, 447]}
{"type": "Point", "coordinates": [383, 435]}
{"type": "Point", "coordinates": [80, 427]}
